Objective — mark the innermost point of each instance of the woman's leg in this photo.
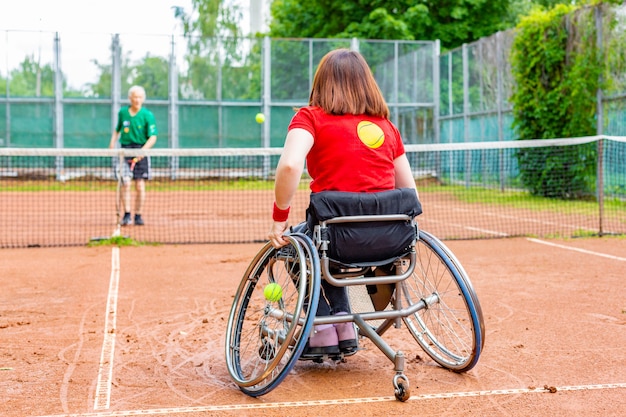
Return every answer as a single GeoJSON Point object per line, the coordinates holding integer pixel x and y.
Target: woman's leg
{"type": "Point", "coordinates": [323, 339]}
{"type": "Point", "coordinates": [337, 299]}
{"type": "Point", "coordinates": [323, 308]}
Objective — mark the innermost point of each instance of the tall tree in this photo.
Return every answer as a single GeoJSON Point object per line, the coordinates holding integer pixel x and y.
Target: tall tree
{"type": "Point", "coordinates": [215, 42]}
{"type": "Point", "coordinates": [453, 22]}
{"type": "Point", "coordinates": [151, 72]}
{"type": "Point", "coordinates": [555, 65]}
{"type": "Point", "coordinates": [210, 18]}
{"type": "Point", "coordinates": [31, 79]}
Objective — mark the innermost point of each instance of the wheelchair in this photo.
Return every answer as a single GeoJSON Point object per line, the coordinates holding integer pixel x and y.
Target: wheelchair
{"type": "Point", "coordinates": [352, 235]}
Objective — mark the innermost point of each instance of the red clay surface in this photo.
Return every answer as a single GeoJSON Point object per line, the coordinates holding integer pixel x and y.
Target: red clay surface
{"type": "Point", "coordinates": [555, 320]}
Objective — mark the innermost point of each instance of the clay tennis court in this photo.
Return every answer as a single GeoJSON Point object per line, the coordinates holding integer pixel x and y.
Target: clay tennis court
{"type": "Point", "coordinates": [85, 335]}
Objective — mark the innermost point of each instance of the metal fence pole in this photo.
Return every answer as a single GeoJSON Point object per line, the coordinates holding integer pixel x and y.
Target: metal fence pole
{"type": "Point", "coordinates": [116, 78]}
{"type": "Point", "coordinates": [436, 91]}
{"type": "Point", "coordinates": [499, 87]}
{"type": "Point", "coordinates": [450, 113]}
{"type": "Point", "coordinates": [7, 113]}
{"type": "Point", "coordinates": [218, 94]}
{"type": "Point", "coordinates": [436, 99]}
{"type": "Point", "coordinates": [173, 109]}
{"type": "Point", "coordinates": [58, 105]}
{"type": "Point", "coordinates": [394, 94]}
{"type": "Point", "coordinates": [599, 122]}
{"type": "Point", "coordinates": [466, 103]}
{"type": "Point", "coordinates": [266, 98]}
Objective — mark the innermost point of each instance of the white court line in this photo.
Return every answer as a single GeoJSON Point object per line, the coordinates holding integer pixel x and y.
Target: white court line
{"type": "Point", "coordinates": [588, 252]}
{"type": "Point", "coordinates": [348, 401]}
{"type": "Point", "coordinates": [476, 229]}
{"type": "Point", "coordinates": [105, 367]}
{"type": "Point", "coordinates": [487, 231]}
{"type": "Point", "coordinates": [511, 217]}
{"type": "Point", "coordinates": [103, 388]}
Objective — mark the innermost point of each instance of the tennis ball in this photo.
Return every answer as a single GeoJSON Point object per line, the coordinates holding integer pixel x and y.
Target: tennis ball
{"type": "Point", "coordinates": [272, 292]}
{"type": "Point", "coordinates": [260, 117]}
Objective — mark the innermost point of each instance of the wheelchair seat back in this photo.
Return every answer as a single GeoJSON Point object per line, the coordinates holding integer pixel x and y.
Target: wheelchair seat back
{"type": "Point", "coordinates": [348, 223]}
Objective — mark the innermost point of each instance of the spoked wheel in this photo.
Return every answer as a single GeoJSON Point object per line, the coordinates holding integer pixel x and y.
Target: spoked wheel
{"type": "Point", "coordinates": [265, 336]}
{"type": "Point", "coordinates": [450, 328]}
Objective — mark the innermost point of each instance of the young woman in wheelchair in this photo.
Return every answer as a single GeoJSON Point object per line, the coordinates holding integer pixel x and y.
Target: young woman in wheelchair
{"type": "Point", "coordinates": [349, 144]}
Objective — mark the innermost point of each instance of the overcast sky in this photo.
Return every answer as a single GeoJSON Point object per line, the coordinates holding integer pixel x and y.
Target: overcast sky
{"type": "Point", "coordinates": [91, 16]}
{"type": "Point", "coordinates": [85, 27]}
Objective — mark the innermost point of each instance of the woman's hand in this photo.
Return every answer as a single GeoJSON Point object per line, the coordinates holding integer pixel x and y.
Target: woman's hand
{"type": "Point", "coordinates": [276, 234]}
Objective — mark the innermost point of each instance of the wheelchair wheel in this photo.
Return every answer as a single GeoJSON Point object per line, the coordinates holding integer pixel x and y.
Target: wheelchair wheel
{"type": "Point", "coordinates": [450, 328]}
{"type": "Point", "coordinates": [265, 338]}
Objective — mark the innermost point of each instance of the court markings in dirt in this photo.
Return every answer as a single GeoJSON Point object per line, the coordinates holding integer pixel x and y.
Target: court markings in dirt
{"type": "Point", "coordinates": [103, 387]}
{"type": "Point", "coordinates": [105, 367]}
{"type": "Point", "coordinates": [585, 251]}
{"type": "Point", "coordinates": [347, 401]}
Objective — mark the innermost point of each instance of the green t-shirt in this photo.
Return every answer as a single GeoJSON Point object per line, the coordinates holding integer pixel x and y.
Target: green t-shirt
{"type": "Point", "coordinates": [135, 130]}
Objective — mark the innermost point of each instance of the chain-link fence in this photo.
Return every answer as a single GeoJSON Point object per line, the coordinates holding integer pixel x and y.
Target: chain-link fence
{"type": "Point", "coordinates": [476, 80]}
{"type": "Point", "coordinates": [64, 91]}
{"type": "Point", "coordinates": [61, 91]}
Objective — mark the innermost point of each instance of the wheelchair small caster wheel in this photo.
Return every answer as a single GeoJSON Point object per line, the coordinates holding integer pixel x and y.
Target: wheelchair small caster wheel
{"type": "Point", "coordinates": [401, 388]}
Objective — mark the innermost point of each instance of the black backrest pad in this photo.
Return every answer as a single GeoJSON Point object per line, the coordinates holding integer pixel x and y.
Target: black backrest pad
{"type": "Point", "coordinates": [371, 242]}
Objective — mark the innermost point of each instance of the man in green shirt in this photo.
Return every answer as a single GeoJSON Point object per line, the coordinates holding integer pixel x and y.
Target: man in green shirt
{"type": "Point", "coordinates": [136, 128]}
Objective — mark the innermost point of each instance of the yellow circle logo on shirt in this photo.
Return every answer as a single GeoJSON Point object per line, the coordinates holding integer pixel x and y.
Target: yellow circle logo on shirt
{"type": "Point", "coordinates": [370, 134]}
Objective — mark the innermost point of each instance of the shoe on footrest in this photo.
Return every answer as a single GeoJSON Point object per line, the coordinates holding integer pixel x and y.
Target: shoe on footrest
{"type": "Point", "coordinates": [323, 341]}
{"type": "Point", "coordinates": [346, 334]}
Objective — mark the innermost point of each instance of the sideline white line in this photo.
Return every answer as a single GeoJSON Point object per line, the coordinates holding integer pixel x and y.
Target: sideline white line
{"type": "Point", "coordinates": [588, 252]}
{"type": "Point", "coordinates": [475, 229]}
{"type": "Point", "coordinates": [487, 231]}
{"type": "Point", "coordinates": [505, 217]}
{"type": "Point", "coordinates": [105, 368]}
{"type": "Point", "coordinates": [233, 407]}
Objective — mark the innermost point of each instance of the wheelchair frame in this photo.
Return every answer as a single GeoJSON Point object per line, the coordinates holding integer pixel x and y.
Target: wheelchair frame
{"type": "Point", "coordinates": [433, 296]}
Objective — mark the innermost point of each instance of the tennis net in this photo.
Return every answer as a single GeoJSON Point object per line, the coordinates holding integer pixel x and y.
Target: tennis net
{"type": "Point", "coordinates": [557, 187]}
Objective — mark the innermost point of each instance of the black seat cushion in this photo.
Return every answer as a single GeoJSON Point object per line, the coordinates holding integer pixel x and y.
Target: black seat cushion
{"type": "Point", "coordinates": [366, 243]}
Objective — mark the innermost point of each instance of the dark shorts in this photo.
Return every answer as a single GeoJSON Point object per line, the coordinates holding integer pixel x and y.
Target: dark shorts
{"type": "Point", "coordinates": [142, 168]}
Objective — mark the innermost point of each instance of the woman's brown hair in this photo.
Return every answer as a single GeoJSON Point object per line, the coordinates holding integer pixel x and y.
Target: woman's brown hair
{"type": "Point", "coordinates": [344, 84]}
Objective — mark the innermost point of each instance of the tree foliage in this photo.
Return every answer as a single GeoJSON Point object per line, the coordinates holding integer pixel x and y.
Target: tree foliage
{"type": "Point", "coordinates": [453, 23]}
{"type": "Point", "coordinates": [151, 72]}
{"type": "Point", "coordinates": [211, 18]}
{"type": "Point", "coordinates": [556, 70]}
{"type": "Point", "coordinates": [31, 79]}
{"type": "Point", "coordinates": [219, 56]}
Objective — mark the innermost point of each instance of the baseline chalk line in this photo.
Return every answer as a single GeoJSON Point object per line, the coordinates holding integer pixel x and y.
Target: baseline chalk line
{"type": "Point", "coordinates": [314, 403]}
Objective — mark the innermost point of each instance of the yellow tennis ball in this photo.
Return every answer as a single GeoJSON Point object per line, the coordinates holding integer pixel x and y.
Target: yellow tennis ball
{"type": "Point", "coordinates": [273, 292]}
{"type": "Point", "coordinates": [260, 117]}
